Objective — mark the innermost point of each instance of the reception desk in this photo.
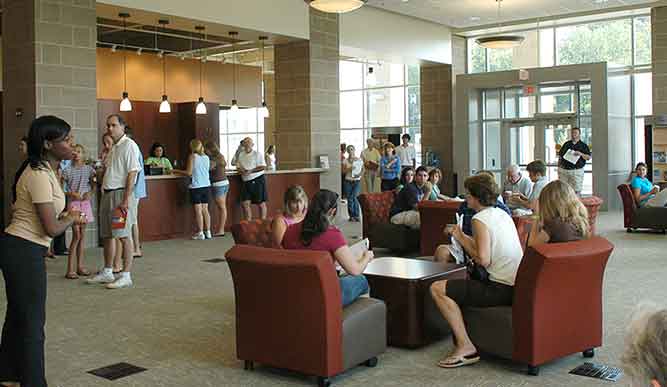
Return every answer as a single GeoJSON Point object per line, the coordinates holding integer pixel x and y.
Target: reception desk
{"type": "Point", "coordinates": [167, 212]}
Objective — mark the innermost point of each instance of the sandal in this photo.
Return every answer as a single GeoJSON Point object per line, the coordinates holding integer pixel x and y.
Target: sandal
{"type": "Point", "coordinates": [83, 272]}
{"type": "Point", "coordinates": [219, 235]}
{"type": "Point", "coordinates": [459, 361]}
{"type": "Point", "coordinates": [71, 276]}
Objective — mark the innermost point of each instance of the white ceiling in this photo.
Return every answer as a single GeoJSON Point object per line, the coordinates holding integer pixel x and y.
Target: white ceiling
{"type": "Point", "coordinates": [472, 13]}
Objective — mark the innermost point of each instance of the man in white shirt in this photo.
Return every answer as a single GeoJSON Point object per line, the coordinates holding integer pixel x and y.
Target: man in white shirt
{"type": "Point", "coordinates": [406, 152]}
{"type": "Point", "coordinates": [120, 175]}
{"type": "Point", "coordinates": [371, 158]}
{"type": "Point", "coordinates": [515, 182]}
{"type": "Point", "coordinates": [251, 165]}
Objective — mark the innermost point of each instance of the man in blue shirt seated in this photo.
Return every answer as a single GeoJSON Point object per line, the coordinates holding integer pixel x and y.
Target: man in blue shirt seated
{"type": "Point", "coordinates": [404, 210]}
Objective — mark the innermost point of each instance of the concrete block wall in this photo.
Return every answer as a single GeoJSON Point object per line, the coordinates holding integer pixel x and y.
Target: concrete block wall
{"type": "Point", "coordinates": [436, 118]}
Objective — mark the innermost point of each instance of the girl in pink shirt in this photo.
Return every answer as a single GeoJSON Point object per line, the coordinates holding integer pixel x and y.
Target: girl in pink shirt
{"type": "Point", "coordinates": [295, 206]}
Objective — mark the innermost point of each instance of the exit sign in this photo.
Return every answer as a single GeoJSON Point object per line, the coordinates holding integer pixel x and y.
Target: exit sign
{"type": "Point", "coordinates": [529, 90]}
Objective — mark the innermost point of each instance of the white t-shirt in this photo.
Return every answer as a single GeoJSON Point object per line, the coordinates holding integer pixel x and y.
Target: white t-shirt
{"type": "Point", "coordinates": [250, 161]}
{"type": "Point", "coordinates": [123, 159]}
{"type": "Point", "coordinates": [406, 154]}
{"type": "Point", "coordinates": [356, 171]}
{"type": "Point", "coordinates": [506, 251]}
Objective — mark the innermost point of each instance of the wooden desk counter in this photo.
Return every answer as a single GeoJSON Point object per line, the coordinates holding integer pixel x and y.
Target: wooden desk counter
{"type": "Point", "coordinates": [167, 212]}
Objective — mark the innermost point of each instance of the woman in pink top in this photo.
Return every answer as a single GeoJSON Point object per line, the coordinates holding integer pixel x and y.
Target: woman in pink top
{"type": "Point", "coordinates": [296, 203]}
{"type": "Point", "coordinates": [317, 232]}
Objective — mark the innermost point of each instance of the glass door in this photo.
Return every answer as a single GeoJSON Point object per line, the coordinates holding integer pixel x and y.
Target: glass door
{"type": "Point", "coordinates": [556, 132]}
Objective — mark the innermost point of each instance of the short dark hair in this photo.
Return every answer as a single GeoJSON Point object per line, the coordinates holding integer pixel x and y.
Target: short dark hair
{"type": "Point", "coordinates": [483, 188]}
{"type": "Point", "coordinates": [120, 118]}
{"type": "Point", "coordinates": [640, 164]}
{"type": "Point", "coordinates": [158, 145]}
{"type": "Point", "coordinates": [421, 169]}
{"type": "Point", "coordinates": [576, 128]}
{"type": "Point", "coordinates": [406, 136]}
{"type": "Point", "coordinates": [537, 166]}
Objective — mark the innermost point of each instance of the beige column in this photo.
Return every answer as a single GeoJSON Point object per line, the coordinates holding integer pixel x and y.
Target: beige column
{"type": "Point", "coordinates": [659, 59]}
{"type": "Point", "coordinates": [51, 70]}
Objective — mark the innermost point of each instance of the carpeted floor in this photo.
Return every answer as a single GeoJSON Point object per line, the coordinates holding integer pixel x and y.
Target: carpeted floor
{"type": "Point", "coordinates": [178, 322]}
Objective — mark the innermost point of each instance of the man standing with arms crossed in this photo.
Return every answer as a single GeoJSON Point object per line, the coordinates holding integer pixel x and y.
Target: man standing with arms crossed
{"type": "Point", "coordinates": [573, 173]}
{"type": "Point", "coordinates": [251, 165]}
{"type": "Point", "coordinates": [120, 175]}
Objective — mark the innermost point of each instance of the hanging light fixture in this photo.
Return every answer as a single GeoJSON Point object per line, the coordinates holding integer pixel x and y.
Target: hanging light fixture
{"type": "Point", "coordinates": [500, 40]}
{"type": "Point", "coordinates": [164, 105]}
{"type": "Point", "coordinates": [235, 106]}
{"type": "Point", "coordinates": [125, 104]}
{"type": "Point", "coordinates": [264, 110]}
{"type": "Point", "coordinates": [201, 106]}
{"type": "Point", "coordinates": [336, 6]}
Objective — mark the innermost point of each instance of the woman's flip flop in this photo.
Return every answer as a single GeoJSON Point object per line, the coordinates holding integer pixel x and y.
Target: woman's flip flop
{"type": "Point", "coordinates": [459, 361]}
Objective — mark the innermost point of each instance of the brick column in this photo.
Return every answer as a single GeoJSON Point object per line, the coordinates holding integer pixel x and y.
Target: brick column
{"type": "Point", "coordinates": [51, 71]}
{"type": "Point", "coordinates": [307, 99]}
{"type": "Point", "coordinates": [659, 59]}
{"type": "Point", "coordinates": [436, 118]}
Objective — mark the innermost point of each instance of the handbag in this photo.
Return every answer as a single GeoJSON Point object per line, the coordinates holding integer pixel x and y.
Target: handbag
{"type": "Point", "coordinates": [475, 271]}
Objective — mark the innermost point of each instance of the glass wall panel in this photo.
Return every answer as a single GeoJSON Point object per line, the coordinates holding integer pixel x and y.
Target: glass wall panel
{"type": "Point", "coordinates": [547, 47]}
{"type": "Point", "coordinates": [413, 75]}
{"type": "Point", "coordinates": [354, 137]}
{"type": "Point", "coordinates": [585, 102]}
{"type": "Point", "coordinates": [609, 41]}
{"type": "Point", "coordinates": [643, 94]}
{"type": "Point", "coordinates": [476, 57]}
{"type": "Point", "coordinates": [414, 108]}
{"type": "Point", "coordinates": [351, 109]}
{"type": "Point", "coordinates": [350, 75]}
{"type": "Point", "coordinates": [642, 42]}
{"type": "Point", "coordinates": [386, 107]}
{"type": "Point", "coordinates": [491, 104]}
{"type": "Point", "coordinates": [640, 141]}
{"type": "Point", "coordinates": [385, 74]}
{"type": "Point", "coordinates": [511, 102]}
{"type": "Point", "coordinates": [527, 106]}
{"type": "Point", "coordinates": [500, 59]}
{"type": "Point", "coordinates": [492, 145]}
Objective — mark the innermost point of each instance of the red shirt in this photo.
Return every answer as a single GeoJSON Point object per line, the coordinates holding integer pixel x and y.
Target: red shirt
{"type": "Point", "coordinates": [330, 240]}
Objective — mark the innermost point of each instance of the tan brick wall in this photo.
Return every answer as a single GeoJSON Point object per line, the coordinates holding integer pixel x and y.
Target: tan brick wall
{"type": "Point", "coordinates": [436, 118]}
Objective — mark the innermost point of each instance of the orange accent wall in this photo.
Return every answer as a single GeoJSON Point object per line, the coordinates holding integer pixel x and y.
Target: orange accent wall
{"type": "Point", "coordinates": [144, 79]}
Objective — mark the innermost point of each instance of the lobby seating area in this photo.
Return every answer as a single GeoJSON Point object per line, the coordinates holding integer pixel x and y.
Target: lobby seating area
{"type": "Point", "coordinates": [635, 217]}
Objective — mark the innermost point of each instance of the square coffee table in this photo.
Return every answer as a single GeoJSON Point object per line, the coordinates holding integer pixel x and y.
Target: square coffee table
{"type": "Point", "coordinates": [402, 283]}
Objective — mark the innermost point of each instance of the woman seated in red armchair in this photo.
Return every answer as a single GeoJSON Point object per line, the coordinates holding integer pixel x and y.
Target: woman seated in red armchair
{"type": "Point", "coordinates": [562, 216]}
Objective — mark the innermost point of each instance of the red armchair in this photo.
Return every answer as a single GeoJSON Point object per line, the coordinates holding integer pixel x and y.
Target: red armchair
{"type": "Point", "coordinates": [434, 216]}
{"type": "Point", "coordinates": [557, 307]}
{"type": "Point", "coordinates": [289, 314]}
{"type": "Point", "coordinates": [592, 204]}
{"type": "Point", "coordinates": [635, 217]}
{"type": "Point", "coordinates": [375, 209]}
{"type": "Point", "coordinates": [256, 232]}
{"type": "Point", "coordinates": [378, 229]}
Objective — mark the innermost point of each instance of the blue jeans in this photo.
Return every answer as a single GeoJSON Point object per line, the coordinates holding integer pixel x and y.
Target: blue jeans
{"type": "Point", "coordinates": [352, 189]}
{"type": "Point", "coordinates": [351, 287]}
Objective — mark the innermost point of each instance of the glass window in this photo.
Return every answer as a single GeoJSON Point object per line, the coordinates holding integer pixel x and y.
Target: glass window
{"type": "Point", "coordinates": [351, 75]}
{"type": "Point", "coordinates": [351, 109]}
{"type": "Point", "coordinates": [491, 104]}
{"type": "Point", "coordinates": [414, 107]}
{"type": "Point", "coordinates": [353, 137]}
{"type": "Point", "coordinates": [413, 75]}
{"type": "Point", "coordinates": [492, 145]}
{"type": "Point", "coordinates": [476, 57]}
{"type": "Point", "coordinates": [511, 100]}
{"type": "Point", "coordinates": [642, 27]}
{"type": "Point", "coordinates": [527, 106]}
{"type": "Point", "coordinates": [609, 41]}
{"type": "Point", "coordinates": [643, 94]}
{"type": "Point", "coordinates": [500, 59]}
{"type": "Point", "coordinates": [585, 103]}
{"type": "Point", "coordinates": [416, 139]}
{"type": "Point", "coordinates": [386, 107]}
{"type": "Point", "coordinates": [236, 127]}
{"type": "Point", "coordinates": [522, 140]}
{"type": "Point", "coordinates": [640, 140]}
{"type": "Point", "coordinates": [385, 74]}
{"type": "Point", "coordinates": [547, 47]}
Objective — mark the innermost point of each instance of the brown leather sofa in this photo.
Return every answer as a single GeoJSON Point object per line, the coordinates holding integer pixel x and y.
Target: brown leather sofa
{"type": "Point", "coordinates": [557, 308]}
{"type": "Point", "coordinates": [289, 314]}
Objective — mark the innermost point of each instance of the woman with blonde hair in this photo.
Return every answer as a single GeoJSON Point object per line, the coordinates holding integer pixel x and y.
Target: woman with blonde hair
{"type": "Point", "coordinates": [295, 207]}
{"type": "Point", "coordinates": [198, 167]}
{"type": "Point", "coordinates": [561, 216]}
{"type": "Point", "coordinates": [219, 184]}
{"type": "Point", "coordinates": [645, 357]}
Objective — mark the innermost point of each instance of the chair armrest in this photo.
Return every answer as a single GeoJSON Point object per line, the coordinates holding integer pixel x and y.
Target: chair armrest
{"type": "Point", "coordinates": [558, 299]}
{"type": "Point", "coordinates": [434, 216]}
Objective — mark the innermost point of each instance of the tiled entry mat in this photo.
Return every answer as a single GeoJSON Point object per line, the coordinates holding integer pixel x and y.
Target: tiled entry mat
{"type": "Point", "coordinates": [117, 371]}
{"type": "Point", "coordinates": [598, 371]}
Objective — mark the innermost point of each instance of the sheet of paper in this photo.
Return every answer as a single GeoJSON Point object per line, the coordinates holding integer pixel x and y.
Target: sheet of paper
{"type": "Point", "coordinates": [360, 247]}
{"type": "Point", "coordinates": [571, 157]}
{"type": "Point", "coordinates": [455, 248]}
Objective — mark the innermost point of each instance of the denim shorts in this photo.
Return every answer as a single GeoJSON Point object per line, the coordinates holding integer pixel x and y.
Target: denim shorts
{"type": "Point", "coordinates": [220, 190]}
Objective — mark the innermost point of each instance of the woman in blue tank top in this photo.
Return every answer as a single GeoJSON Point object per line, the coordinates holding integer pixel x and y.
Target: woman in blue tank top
{"type": "Point", "coordinates": [197, 168]}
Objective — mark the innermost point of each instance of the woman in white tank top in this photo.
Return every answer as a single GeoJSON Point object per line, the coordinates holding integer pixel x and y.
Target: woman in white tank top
{"type": "Point", "coordinates": [496, 247]}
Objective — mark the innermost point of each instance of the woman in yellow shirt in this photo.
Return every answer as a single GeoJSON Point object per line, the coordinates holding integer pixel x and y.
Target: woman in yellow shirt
{"type": "Point", "coordinates": [37, 218]}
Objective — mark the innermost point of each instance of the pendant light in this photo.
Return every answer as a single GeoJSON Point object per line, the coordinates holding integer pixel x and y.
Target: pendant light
{"type": "Point", "coordinates": [336, 6]}
{"type": "Point", "coordinates": [264, 110]}
{"type": "Point", "coordinates": [164, 105]}
{"type": "Point", "coordinates": [201, 106]}
{"type": "Point", "coordinates": [235, 106]}
{"type": "Point", "coordinates": [500, 41]}
{"type": "Point", "coordinates": [125, 104]}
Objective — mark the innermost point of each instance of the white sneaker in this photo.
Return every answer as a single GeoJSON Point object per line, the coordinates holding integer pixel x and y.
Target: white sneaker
{"type": "Point", "coordinates": [121, 282]}
{"type": "Point", "coordinates": [199, 236]}
{"type": "Point", "coordinates": [207, 234]}
{"type": "Point", "coordinates": [101, 278]}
